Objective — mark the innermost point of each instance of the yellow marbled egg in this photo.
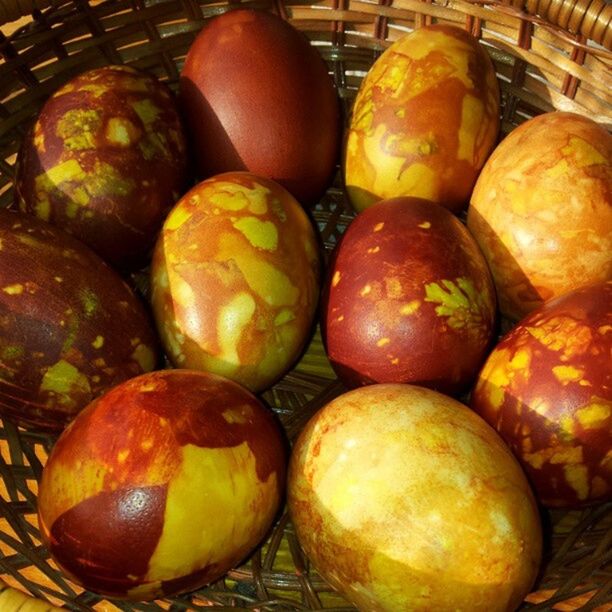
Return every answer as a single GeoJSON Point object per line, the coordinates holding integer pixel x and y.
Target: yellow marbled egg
{"type": "Point", "coordinates": [424, 121]}
{"type": "Point", "coordinates": [235, 279]}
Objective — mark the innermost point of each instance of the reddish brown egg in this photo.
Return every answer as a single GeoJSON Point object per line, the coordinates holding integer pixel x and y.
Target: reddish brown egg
{"type": "Point", "coordinates": [70, 327]}
{"type": "Point", "coordinates": [547, 389]}
{"type": "Point", "coordinates": [257, 96]}
{"type": "Point", "coordinates": [424, 120]}
{"type": "Point", "coordinates": [541, 210]}
{"type": "Point", "coordinates": [162, 485]}
{"type": "Point", "coordinates": [408, 298]}
{"type": "Point", "coordinates": [235, 279]}
{"type": "Point", "coordinates": [105, 161]}
{"type": "Point", "coordinates": [404, 499]}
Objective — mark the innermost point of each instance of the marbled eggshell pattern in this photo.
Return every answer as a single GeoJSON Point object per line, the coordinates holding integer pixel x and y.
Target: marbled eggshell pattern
{"type": "Point", "coordinates": [257, 96]}
{"type": "Point", "coordinates": [408, 298]}
{"type": "Point", "coordinates": [541, 210]}
{"type": "Point", "coordinates": [70, 327]}
{"type": "Point", "coordinates": [105, 160]}
{"type": "Point", "coordinates": [424, 121]}
{"type": "Point", "coordinates": [235, 278]}
{"type": "Point", "coordinates": [162, 485]}
{"type": "Point", "coordinates": [547, 389]}
{"type": "Point", "coordinates": [404, 499]}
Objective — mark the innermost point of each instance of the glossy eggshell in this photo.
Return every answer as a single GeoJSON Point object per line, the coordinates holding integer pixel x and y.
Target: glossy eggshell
{"type": "Point", "coordinates": [105, 160]}
{"type": "Point", "coordinates": [404, 499]}
{"type": "Point", "coordinates": [70, 327]}
{"type": "Point", "coordinates": [541, 210]}
{"type": "Point", "coordinates": [424, 120]}
{"type": "Point", "coordinates": [547, 389]}
{"type": "Point", "coordinates": [257, 96]}
{"type": "Point", "coordinates": [408, 298]}
{"type": "Point", "coordinates": [162, 485]}
{"type": "Point", "coordinates": [235, 279]}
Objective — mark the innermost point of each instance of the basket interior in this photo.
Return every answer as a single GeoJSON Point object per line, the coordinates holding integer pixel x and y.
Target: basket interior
{"type": "Point", "coordinates": [540, 67]}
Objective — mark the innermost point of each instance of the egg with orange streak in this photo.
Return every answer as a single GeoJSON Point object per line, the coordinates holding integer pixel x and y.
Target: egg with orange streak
{"type": "Point", "coordinates": [547, 389]}
{"type": "Point", "coordinates": [541, 210]}
{"type": "Point", "coordinates": [235, 278]}
{"type": "Point", "coordinates": [162, 485]}
{"type": "Point", "coordinates": [404, 499]}
{"type": "Point", "coordinates": [424, 120]}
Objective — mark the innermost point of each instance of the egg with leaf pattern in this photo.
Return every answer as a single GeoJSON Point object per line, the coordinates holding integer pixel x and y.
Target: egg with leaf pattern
{"type": "Point", "coordinates": [408, 298]}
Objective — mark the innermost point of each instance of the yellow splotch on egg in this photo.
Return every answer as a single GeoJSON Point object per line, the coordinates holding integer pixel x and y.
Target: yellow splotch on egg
{"type": "Point", "coordinates": [235, 277]}
{"type": "Point", "coordinates": [424, 121]}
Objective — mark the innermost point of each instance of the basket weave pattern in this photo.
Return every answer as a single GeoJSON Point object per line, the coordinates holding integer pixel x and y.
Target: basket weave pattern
{"type": "Point", "coordinates": [548, 54]}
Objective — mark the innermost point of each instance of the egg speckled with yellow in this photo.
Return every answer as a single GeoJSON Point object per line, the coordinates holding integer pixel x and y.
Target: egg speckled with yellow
{"type": "Point", "coordinates": [235, 279]}
{"type": "Point", "coordinates": [105, 161]}
{"type": "Point", "coordinates": [424, 121]}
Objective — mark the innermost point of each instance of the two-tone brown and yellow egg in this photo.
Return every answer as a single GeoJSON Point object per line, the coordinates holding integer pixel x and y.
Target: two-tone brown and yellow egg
{"type": "Point", "coordinates": [171, 499]}
{"type": "Point", "coordinates": [105, 161]}
{"type": "Point", "coordinates": [235, 279]}
{"type": "Point", "coordinates": [547, 389]}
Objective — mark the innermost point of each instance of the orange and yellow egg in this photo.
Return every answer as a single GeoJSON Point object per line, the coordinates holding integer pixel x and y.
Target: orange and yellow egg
{"type": "Point", "coordinates": [424, 121]}
{"type": "Point", "coordinates": [235, 279]}
{"type": "Point", "coordinates": [541, 210]}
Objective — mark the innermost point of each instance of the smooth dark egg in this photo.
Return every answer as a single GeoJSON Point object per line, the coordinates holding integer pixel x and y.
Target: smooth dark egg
{"type": "Point", "coordinates": [257, 96]}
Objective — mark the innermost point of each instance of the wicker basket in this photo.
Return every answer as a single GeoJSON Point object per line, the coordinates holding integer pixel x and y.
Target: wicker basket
{"type": "Point", "coordinates": [549, 54]}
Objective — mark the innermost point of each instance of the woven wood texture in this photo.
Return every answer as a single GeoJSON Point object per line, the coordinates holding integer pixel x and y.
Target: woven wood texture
{"type": "Point", "coordinates": [548, 54]}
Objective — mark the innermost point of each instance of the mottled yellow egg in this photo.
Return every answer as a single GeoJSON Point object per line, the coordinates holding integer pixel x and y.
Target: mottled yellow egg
{"type": "Point", "coordinates": [541, 210]}
{"type": "Point", "coordinates": [235, 279]}
{"type": "Point", "coordinates": [424, 121]}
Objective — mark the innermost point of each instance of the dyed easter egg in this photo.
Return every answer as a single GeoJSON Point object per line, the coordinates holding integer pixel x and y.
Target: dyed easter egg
{"type": "Point", "coordinates": [541, 210]}
{"type": "Point", "coordinates": [257, 96]}
{"type": "Point", "coordinates": [408, 298]}
{"type": "Point", "coordinates": [404, 499]}
{"type": "Point", "coordinates": [424, 120]}
{"type": "Point", "coordinates": [162, 485]}
{"type": "Point", "coordinates": [105, 161]}
{"type": "Point", "coordinates": [547, 389]}
{"type": "Point", "coordinates": [70, 327]}
{"type": "Point", "coordinates": [235, 279]}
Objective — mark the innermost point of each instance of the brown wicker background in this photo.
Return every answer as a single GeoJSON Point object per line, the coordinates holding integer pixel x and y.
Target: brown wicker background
{"type": "Point", "coordinates": [549, 54]}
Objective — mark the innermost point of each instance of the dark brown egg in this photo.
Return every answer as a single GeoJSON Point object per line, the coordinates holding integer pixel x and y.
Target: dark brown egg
{"type": "Point", "coordinates": [547, 389]}
{"type": "Point", "coordinates": [105, 161]}
{"type": "Point", "coordinates": [258, 97]}
{"type": "Point", "coordinates": [70, 327]}
{"type": "Point", "coordinates": [409, 298]}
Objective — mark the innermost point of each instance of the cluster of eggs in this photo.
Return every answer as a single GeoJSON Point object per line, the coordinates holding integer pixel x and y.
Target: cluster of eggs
{"type": "Point", "coordinates": [163, 480]}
